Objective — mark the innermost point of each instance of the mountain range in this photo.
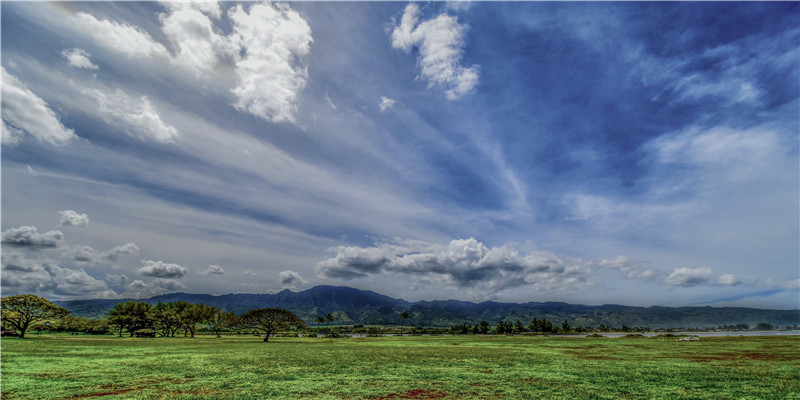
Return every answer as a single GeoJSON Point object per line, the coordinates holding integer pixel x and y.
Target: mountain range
{"type": "Point", "coordinates": [356, 306]}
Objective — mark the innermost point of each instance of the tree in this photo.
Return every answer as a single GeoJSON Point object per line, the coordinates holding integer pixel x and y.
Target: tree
{"type": "Point", "coordinates": [221, 320]}
{"type": "Point", "coordinates": [319, 319]}
{"type": "Point", "coordinates": [403, 317]}
{"type": "Point", "coordinates": [131, 316]}
{"type": "Point", "coordinates": [22, 310]}
{"type": "Point", "coordinates": [270, 320]}
{"type": "Point", "coordinates": [197, 314]}
{"type": "Point", "coordinates": [165, 318]}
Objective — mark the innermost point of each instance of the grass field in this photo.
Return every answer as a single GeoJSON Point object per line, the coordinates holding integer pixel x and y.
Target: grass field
{"type": "Point", "coordinates": [437, 367]}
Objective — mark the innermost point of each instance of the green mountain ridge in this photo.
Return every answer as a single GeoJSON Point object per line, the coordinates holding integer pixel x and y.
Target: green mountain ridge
{"type": "Point", "coordinates": [356, 306]}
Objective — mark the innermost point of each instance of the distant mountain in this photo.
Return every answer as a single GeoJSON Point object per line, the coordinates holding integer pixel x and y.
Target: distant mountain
{"type": "Point", "coordinates": [355, 306]}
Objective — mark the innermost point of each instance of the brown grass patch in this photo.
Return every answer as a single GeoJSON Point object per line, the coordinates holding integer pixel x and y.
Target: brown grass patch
{"type": "Point", "coordinates": [420, 394]}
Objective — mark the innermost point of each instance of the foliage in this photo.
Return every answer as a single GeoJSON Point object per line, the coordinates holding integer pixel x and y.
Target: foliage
{"type": "Point", "coordinates": [22, 310]}
{"type": "Point", "coordinates": [132, 316]}
{"type": "Point", "coordinates": [270, 320]}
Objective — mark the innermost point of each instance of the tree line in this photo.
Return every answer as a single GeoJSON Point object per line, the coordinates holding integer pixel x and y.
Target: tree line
{"type": "Point", "coordinates": [21, 313]}
{"type": "Point", "coordinates": [141, 319]}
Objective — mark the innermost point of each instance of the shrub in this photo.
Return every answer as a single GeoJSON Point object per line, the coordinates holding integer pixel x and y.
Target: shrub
{"type": "Point", "coordinates": [145, 333]}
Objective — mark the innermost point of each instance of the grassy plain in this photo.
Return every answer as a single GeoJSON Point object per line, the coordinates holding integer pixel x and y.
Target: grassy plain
{"type": "Point", "coordinates": [436, 367]}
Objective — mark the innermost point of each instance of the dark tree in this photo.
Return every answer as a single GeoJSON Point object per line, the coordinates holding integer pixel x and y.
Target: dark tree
{"type": "Point", "coordinates": [22, 310]}
{"type": "Point", "coordinates": [270, 320]}
{"type": "Point", "coordinates": [197, 314]}
{"type": "Point", "coordinates": [319, 320]}
{"type": "Point", "coordinates": [403, 317]}
{"type": "Point", "coordinates": [221, 320]}
{"type": "Point", "coordinates": [131, 316]}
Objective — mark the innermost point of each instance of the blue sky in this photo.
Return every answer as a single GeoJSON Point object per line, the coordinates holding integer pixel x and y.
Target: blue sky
{"type": "Point", "coordinates": [632, 153]}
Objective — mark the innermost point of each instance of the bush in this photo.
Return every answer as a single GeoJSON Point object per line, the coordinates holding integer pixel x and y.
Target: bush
{"type": "Point", "coordinates": [145, 333]}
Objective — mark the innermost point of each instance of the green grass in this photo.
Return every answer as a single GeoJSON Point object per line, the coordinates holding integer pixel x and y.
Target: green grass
{"type": "Point", "coordinates": [439, 367]}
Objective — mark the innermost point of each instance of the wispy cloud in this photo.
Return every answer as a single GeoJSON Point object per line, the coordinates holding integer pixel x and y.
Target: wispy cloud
{"type": "Point", "coordinates": [25, 112]}
{"type": "Point", "coordinates": [123, 38]}
{"type": "Point", "coordinates": [135, 116]}
{"type": "Point", "coordinates": [79, 58]}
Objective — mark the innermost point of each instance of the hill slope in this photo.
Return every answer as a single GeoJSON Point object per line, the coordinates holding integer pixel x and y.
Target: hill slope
{"type": "Point", "coordinates": [355, 306]}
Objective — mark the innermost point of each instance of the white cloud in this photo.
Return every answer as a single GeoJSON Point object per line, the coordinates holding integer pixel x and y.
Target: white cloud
{"type": "Point", "coordinates": [440, 41]}
{"type": "Point", "coordinates": [129, 40]}
{"type": "Point", "coordinates": [160, 269]}
{"type": "Point", "coordinates": [690, 276]}
{"type": "Point", "coordinates": [274, 40]}
{"type": "Point", "coordinates": [140, 290]}
{"type": "Point", "coordinates": [24, 111]}
{"type": "Point", "coordinates": [125, 249]}
{"type": "Point", "coordinates": [119, 280]}
{"type": "Point", "coordinates": [291, 279]}
{"type": "Point", "coordinates": [212, 270]}
{"type": "Point", "coordinates": [728, 280]}
{"type": "Point", "coordinates": [84, 254]}
{"type": "Point", "coordinates": [628, 268]}
{"type": "Point", "coordinates": [30, 236]}
{"type": "Point", "coordinates": [79, 58]}
{"type": "Point", "coordinates": [386, 103]}
{"type": "Point", "coordinates": [464, 263]}
{"type": "Point", "coordinates": [197, 43]}
{"type": "Point", "coordinates": [45, 278]}
{"type": "Point", "coordinates": [137, 117]}
{"type": "Point", "coordinates": [72, 218]}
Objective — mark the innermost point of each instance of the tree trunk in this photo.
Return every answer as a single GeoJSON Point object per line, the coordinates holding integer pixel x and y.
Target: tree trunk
{"type": "Point", "coordinates": [266, 337]}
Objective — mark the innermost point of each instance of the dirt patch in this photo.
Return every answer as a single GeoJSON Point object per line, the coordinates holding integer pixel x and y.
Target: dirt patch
{"type": "Point", "coordinates": [112, 393]}
{"type": "Point", "coordinates": [420, 394]}
{"type": "Point", "coordinates": [744, 356]}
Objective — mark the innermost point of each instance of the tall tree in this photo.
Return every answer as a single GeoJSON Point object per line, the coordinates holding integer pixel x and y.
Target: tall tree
{"type": "Point", "coordinates": [403, 317]}
{"type": "Point", "coordinates": [22, 310]}
{"type": "Point", "coordinates": [319, 320]}
{"type": "Point", "coordinates": [221, 320]}
{"type": "Point", "coordinates": [165, 318]}
{"type": "Point", "coordinates": [197, 314]}
{"type": "Point", "coordinates": [132, 316]}
{"type": "Point", "coordinates": [270, 320]}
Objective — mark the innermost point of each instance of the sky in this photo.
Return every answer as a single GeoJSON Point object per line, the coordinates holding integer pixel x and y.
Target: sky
{"type": "Point", "coordinates": [629, 153]}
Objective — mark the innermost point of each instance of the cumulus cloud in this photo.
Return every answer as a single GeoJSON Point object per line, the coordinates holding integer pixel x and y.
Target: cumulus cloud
{"type": "Point", "coordinates": [441, 46]}
{"type": "Point", "coordinates": [690, 276]}
{"type": "Point", "coordinates": [197, 43]}
{"type": "Point", "coordinates": [386, 103]}
{"type": "Point", "coordinates": [141, 290]}
{"type": "Point", "coordinates": [119, 280]}
{"type": "Point", "coordinates": [72, 218]}
{"type": "Point", "coordinates": [129, 40]}
{"type": "Point", "coordinates": [46, 278]}
{"type": "Point", "coordinates": [125, 249]}
{"type": "Point", "coordinates": [274, 41]}
{"type": "Point", "coordinates": [160, 269]}
{"type": "Point", "coordinates": [628, 268]}
{"type": "Point", "coordinates": [727, 280]}
{"type": "Point", "coordinates": [79, 58]}
{"type": "Point", "coordinates": [463, 263]}
{"type": "Point", "coordinates": [29, 236]}
{"type": "Point", "coordinates": [135, 116]}
{"type": "Point", "coordinates": [84, 254]}
{"type": "Point", "coordinates": [291, 279]}
{"type": "Point", "coordinates": [212, 270]}
{"type": "Point", "coordinates": [25, 112]}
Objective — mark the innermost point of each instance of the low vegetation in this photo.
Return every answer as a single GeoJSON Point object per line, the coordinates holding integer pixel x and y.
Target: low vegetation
{"type": "Point", "coordinates": [62, 366]}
